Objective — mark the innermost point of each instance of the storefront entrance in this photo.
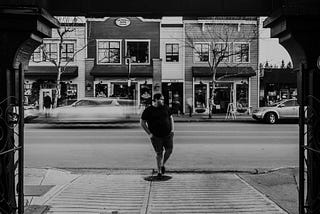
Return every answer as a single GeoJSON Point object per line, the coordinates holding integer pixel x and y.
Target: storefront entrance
{"type": "Point", "coordinates": [222, 97]}
{"type": "Point", "coordinates": [173, 96]}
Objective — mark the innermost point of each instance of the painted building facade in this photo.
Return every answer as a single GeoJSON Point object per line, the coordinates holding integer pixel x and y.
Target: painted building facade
{"type": "Point", "coordinates": [123, 55]}
{"type": "Point", "coordinates": [172, 55]}
{"type": "Point", "coordinates": [41, 76]}
{"type": "Point", "coordinates": [236, 78]}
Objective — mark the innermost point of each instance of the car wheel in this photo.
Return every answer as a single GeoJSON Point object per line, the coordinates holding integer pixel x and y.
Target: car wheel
{"type": "Point", "coordinates": [271, 118]}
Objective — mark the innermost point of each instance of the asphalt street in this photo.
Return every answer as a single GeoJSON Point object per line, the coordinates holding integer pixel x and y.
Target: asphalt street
{"type": "Point", "coordinates": [197, 146]}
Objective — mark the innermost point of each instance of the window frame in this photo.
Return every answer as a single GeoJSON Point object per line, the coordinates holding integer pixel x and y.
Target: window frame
{"type": "Point", "coordinates": [194, 52]}
{"type": "Point", "coordinates": [138, 40]}
{"type": "Point", "coordinates": [172, 52]}
{"type": "Point", "coordinates": [108, 40]}
{"type": "Point", "coordinates": [50, 44]}
{"type": "Point", "coordinates": [72, 53]}
{"type": "Point", "coordinates": [226, 60]}
{"type": "Point", "coordinates": [235, 55]}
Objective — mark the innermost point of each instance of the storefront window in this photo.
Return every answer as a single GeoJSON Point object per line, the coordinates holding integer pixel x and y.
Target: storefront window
{"type": "Point", "coordinates": [242, 95]}
{"type": "Point", "coordinates": [146, 94]}
{"type": "Point", "coordinates": [122, 90]}
{"type": "Point", "coordinates": [101, 90]}
{"type": "Point", "coordinates": [27, 93]}
{"type": "Point", "coordinates": [200, 95]}
{"type": "Point", "coordinates": [173, 96]}
{"type": "Point", "coordinates": [72, 91]}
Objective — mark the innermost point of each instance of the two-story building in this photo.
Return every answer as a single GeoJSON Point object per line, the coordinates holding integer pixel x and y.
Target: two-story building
{"type": "Point", "coordinates": [236, 80]}
{"type": "Point", "coordinates": [172, 54]}
{"type": "Point", "coordinates": [123, 54]}
{"type": "Point", "coordinates": [42, 74]}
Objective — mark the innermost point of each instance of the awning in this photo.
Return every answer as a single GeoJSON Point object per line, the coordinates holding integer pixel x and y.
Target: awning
{"type": "Point", "coordinates": [280, 75]}
{"type": "Point", "coordinates": [122, 71]}
{"type": "Point", "coordinates": [221, 71]}
{"type": "Point", "coordinates": [50, 71]}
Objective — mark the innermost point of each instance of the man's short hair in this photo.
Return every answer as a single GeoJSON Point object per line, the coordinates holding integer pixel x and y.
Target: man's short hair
{"type": "Point", "coordinates": [157, 96]}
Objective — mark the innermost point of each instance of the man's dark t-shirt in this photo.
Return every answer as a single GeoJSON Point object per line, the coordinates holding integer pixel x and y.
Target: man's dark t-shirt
{"type": "Point", "coordinates": [158, 119]}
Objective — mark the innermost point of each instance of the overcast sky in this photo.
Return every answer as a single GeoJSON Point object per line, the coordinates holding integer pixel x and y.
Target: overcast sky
{"type": "Point", "coordinates": [270, 49]}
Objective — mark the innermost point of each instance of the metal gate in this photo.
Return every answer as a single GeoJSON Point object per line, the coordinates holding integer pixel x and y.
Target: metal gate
{"type": "Point", "coordinates": [309, 147]}
{"type": "Point", "coordinates": [12, 143]}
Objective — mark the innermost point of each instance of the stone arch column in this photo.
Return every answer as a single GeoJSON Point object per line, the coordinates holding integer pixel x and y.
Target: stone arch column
{"type": "Point", "coordinates": [300, 35]}
{"type": "Point", "coordinates": [21, 32]}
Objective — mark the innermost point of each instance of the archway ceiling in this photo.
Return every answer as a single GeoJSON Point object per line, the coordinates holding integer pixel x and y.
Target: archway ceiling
{"type": "Point", "coordinates": [150, 8]}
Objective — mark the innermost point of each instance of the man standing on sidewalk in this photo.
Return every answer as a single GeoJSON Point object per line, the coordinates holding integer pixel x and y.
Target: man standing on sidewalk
{"type": "Point", "coordinates": [157, 121]}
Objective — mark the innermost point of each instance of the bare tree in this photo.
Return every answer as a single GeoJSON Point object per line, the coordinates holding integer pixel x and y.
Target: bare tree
{"type": "Point", "coordinates": [60, 60]}
{"type": "Point", "coordinates": [220, 49]}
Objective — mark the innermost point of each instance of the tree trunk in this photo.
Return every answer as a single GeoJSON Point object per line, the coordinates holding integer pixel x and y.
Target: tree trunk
{"type": "Point", "coordinates": [58, 89]}
{"type": "Point", "coordinates": [211, 100]}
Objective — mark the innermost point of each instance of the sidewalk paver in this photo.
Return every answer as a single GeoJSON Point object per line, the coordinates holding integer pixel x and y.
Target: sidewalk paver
{"type": "Point", "coordinates": [184, 193]}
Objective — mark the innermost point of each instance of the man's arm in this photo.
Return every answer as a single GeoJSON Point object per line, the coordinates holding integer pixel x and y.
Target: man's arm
{"type": "Point", "coordinates": [144, 125]}
{"type": "Point", "coordinates": [172, 123]}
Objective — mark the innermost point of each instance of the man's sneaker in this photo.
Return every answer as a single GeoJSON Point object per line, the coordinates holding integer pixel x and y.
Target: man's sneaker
{"type": "Point", "coordinates": [159, 175]}
{"type": "Point", "coordinates": [163, 170]}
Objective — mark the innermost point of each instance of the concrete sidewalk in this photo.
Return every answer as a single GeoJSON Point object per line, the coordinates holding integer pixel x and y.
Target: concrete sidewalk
{"type": "Point", "coordinates": [105, 191]}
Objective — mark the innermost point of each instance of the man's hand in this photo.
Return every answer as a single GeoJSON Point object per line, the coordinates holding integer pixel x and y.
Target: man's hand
{"type": "Point", "coordinates": [150, 135]}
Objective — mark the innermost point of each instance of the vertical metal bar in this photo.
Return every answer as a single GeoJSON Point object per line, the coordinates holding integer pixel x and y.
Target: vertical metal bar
{"type": "Point", "coordinates": [21, 142]}
{"type": "Point", "coordinates": [301, 140]}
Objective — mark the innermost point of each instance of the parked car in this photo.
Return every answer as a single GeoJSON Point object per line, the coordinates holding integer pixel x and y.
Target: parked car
{"type": "Point", "coordinates": [96, 110]}
{"type": "Point", "coordinates": [285, 109]}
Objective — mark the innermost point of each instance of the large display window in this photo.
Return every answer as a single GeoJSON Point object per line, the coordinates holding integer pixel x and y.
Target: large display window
{"type": "Point", "coordinates": [173, 96]}
{"type": "Point", "coordinates": [145, 94]}
{"type": "Point", "coordinates": [242, 97]}
{"type": "Point", "coordinates": [200, 94]}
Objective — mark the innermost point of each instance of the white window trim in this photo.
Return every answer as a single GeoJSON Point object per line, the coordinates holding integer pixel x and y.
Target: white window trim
{"type": "Point", "coordinates": [234, 56]}
{"type": "Point", "coordinates": [193, 52]}
{"type": "Point", "coordinates": [74, 50]}
{"type": "Point", "coordinates": [97, 51]}
{"type": "Point", "coordinates": [138, 40]}
{"type": "Point", "coordinates": [165, 52]}
{"type": "Point", "coordinates": [230, 50]}
{"type": "Point", "coordinates": [55, 41]}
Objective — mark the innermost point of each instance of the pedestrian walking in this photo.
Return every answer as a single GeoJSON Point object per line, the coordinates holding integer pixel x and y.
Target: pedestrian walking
{"type": "Point", "coordinates": [47, 104]}
{"type": "Point", "coordinates": [157, 121]}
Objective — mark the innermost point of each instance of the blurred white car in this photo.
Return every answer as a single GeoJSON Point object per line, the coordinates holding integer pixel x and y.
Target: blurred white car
{"type": "Point", "coordinates": [96, 110]}
{"type": "Point", "coordinates": [30, 113]}
{"type": "Point", "coordinates": [285, 109]}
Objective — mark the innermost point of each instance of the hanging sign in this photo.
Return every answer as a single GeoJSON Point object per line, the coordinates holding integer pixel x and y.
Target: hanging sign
{"type": "Point", "coordinates": [122, 22]}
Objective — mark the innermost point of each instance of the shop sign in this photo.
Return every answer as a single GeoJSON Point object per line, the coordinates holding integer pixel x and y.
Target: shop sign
{"type": "Point", "coordinates": [122, 22]}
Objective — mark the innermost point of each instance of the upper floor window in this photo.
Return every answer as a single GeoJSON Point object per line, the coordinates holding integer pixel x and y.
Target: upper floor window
{"type": "Point", "coordinates": [36, 56]}
{"type": "Point", "coordinates": [138, 51]}
{"type": "Point", "coordinates": [109, 52]}
{"type": "Point", "coordinates": [222, 51]}
{"type": "Point", "coordinates": [50, 51]}
{"type": "Point", "coordinates": [201, 52]}
{"type": "Point", "coordinates": [172, 52]}
{"type": "Point", "coordinates": [241, 51]}
{"type": "Point", "coordinates": [67, 52]}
